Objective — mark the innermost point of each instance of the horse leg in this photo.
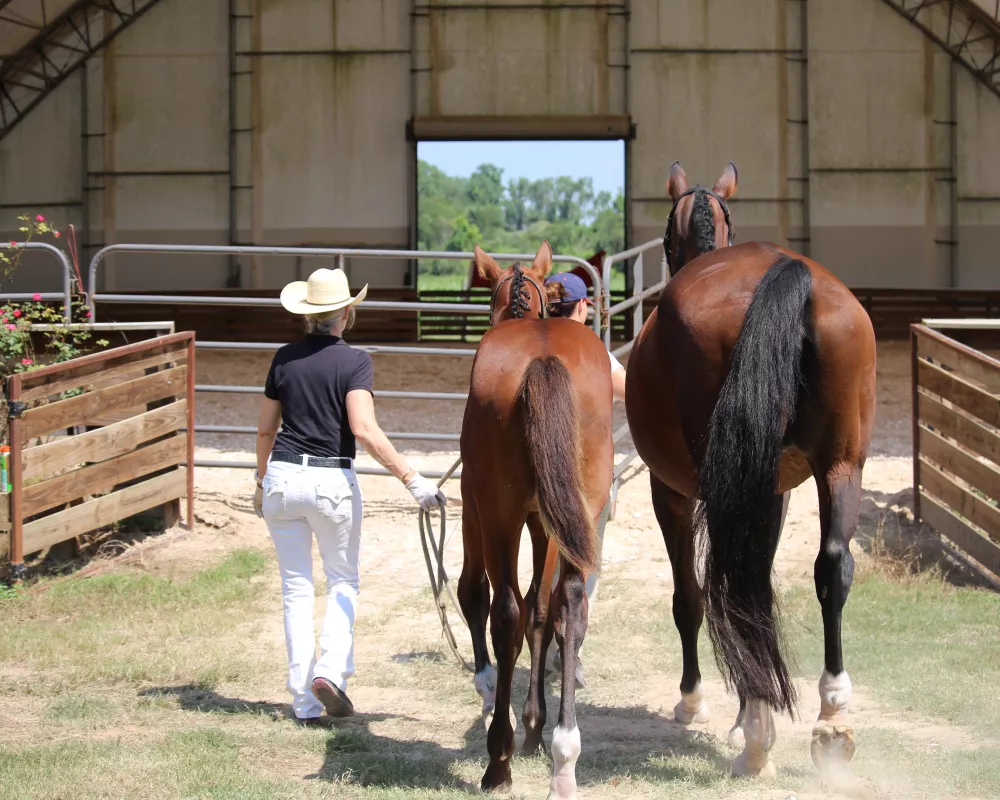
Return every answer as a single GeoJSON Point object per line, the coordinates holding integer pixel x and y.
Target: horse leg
{"type": "Point", "coordinates": [673, 513]}
{"type": "Point", "coordinates": [839, 500]}
{"type": "Point", "coordinates": [759, 733]}
{"type": "Point", "coordinates": [539, 633]}
{"type": "Point", "coordinates": [474, 598]}
{"type": "Point", "coordinates": [507, 627]}
{"type": "Point", "coordinates": [736, 735]}
{"type": "Point", "coordinates": [570, 626]}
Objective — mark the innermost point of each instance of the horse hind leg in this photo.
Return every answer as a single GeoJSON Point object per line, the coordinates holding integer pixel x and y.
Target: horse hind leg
{"type": "Point", "coordinates": [673, 513]}
{"type": "Point", "coordinates": [571, 625]}
{"type": "Point", "coordinates": [507, 618]}
{"type": "Point", "coordinates": [736, 737]}
{"type": "Point", "coordinates": [754, 729]}
{"type": "Point", "coordinates": [839, 501]}
{"type": "Point", "coordinates": [538, 632]}
{"type": "Point", "coordinates": [474, 598]}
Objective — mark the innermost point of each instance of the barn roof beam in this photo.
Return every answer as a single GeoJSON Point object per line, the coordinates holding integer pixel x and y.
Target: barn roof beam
{"type": "Point", "coordinates": [62, 44]}
{"type": "Point", "coordinates": [967, 29]}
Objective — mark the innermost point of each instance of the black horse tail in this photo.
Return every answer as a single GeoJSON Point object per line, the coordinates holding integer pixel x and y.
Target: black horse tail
{"type": "Point", "coordinates": [738, 481]}
{"type": "Point", "coordinates": [554, 447]}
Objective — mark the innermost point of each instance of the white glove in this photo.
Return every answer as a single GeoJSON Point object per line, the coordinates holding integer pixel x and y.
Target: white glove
{"type": "Point", "coordinates": [425, 492]}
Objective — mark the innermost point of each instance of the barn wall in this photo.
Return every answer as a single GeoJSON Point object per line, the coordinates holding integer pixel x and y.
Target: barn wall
{"type": "Point", "coordinates": [857, 140]}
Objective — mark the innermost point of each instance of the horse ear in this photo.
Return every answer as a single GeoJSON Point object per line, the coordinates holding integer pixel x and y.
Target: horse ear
{"type": "Point", "coordinates": [542, 265]}
{"type": "Point", "coordinates": [486, 266]}
{"type": "Point", "coordinates": [677, 181]}
{"type": "Point", "coordinates": [725, 187]}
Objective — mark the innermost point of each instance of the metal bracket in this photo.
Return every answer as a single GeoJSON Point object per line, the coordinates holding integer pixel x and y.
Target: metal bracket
{"type": "Point", "coordinates": [15, 408]}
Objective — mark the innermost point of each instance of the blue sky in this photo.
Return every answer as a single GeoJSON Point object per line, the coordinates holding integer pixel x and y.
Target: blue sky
{"type": "Point", "coordinates": [603, 162]}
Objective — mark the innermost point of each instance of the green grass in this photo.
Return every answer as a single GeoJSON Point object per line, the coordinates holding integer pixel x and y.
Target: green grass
{"type": "Point", "coordinates": [122, 626]}
{"type": "Point", "coordinates": [923, 646]}
{"type": "Point", "coordinates": [124, 669]}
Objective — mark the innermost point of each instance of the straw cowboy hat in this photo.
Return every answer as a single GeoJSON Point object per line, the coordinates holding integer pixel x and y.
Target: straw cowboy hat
{"type": "Point", "coordinates": [326, 290]}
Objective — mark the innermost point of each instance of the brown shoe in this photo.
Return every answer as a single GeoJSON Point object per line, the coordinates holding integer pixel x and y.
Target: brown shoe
{"type": "Point", "coordinates": [336, 703]}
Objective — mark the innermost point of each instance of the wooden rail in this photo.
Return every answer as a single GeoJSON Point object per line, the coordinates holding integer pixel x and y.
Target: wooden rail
{"type": "Point", "coordinates": [134, 402]}
{"type": "Point", "coordinates": [956, 443]}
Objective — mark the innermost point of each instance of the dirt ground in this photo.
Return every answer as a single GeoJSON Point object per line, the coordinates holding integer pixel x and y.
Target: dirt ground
{"type": "Point", "coordinates": [397, 623]}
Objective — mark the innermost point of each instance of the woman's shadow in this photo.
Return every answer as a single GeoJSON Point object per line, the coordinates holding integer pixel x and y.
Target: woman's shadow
{"type": "Point", "coordinates": [353, 753]}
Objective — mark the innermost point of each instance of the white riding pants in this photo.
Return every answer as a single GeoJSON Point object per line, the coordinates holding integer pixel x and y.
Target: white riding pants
{"type": "Point", "coordinates": [299, 502]}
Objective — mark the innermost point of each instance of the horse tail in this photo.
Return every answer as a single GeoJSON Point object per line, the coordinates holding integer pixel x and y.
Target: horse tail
{"type": "Point", "coordinates": [554, 447]}
{"type": "Point", "coordinates": [738, 480]}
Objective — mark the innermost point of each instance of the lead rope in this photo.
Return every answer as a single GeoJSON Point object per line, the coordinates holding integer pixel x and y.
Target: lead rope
{"type": "Point", "coordinates": [440, 584]}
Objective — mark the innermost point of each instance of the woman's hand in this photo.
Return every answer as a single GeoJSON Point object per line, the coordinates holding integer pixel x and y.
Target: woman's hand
{"type": "Point", "coordinates": [258, 496]}
{"type": "Point", "coordinates": [425, 492]}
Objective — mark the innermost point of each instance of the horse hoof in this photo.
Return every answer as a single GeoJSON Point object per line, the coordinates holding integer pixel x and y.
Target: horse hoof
{"type": "Point", "coordinates": [831, 744]}
{"type": "Point", "coordinates": [497, 779]}
{"type": "Point", "coordinates": [685, 716]}
{"type": "Point", "coordinates": [746, 767]}
{"type": "Point", "coordinates": [737, 738]}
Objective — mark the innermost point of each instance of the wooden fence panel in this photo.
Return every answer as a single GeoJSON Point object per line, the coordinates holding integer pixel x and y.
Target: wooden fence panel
{"type": "Point", "coordinates": [956, 443]}
{"type": "Point", "coordinates": [79, 483]}
{"type": "Point", "coordinates": [105, 510]}
{"type": "Point", "coordinates": [85, 408]}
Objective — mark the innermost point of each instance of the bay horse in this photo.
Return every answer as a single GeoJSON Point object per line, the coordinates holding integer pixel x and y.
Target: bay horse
{"type": "Point", "coordinates": [538, 384]}
{"type": "Point", "coordinates": [755, 372]}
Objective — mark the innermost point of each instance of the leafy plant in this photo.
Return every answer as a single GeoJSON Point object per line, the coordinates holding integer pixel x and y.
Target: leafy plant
{"type": "Point", "coordinates": [17, 343]}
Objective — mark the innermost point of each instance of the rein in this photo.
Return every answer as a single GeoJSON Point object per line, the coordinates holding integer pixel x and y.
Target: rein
{"type": "Point", "coordinates": [520, 296]}
{"type": "Point", "coordinates": [669, 236]}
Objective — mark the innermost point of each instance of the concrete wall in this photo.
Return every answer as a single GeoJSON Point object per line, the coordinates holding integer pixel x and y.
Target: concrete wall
{"type": "Point", "coordinates": [857, 140]}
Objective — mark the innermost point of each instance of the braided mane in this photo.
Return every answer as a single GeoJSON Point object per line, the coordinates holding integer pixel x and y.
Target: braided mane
{"type": "Point", "coordinates": [520, 296]}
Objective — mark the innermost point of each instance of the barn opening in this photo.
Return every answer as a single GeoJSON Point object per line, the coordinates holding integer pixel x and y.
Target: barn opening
{"type": "Point", "coordinates": [508, 196]}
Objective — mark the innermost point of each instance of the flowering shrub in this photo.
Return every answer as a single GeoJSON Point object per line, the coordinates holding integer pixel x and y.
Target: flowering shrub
{"type": "Point", "coordinates": [17, 347]}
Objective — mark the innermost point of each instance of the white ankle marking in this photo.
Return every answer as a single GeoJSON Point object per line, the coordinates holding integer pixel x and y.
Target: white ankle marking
{"type": "Point", "coordinates": [692, 707]}
{"type": "Point", "coordinates": [835, 691]}
{"type": "Point", "coordinates": [565, 747]}
{"type": "Point", "coordinates": [486, 682]}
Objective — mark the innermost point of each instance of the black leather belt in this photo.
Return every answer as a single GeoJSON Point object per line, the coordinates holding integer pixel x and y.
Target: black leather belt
{"type": "Point", "coordinates": [313, 461]}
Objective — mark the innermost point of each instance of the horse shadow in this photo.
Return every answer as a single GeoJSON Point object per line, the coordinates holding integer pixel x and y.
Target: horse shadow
{"type": "Point", "coordinates": [619, 742]}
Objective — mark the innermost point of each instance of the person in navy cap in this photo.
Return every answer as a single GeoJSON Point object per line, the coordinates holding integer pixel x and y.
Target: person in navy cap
{"type": "Point", "coordinates": [567, 297]}
{"type": "Point", "coordinates": [566, 294]}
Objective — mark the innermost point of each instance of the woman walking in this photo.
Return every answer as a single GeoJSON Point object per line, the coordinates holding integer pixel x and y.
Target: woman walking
{"type": "Point", "coordinates": [319, 389]}
{"type": "Point", "coordinates": [566, 295]}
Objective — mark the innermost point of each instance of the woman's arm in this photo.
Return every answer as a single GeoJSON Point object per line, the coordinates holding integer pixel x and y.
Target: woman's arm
{"type": "Point", "coordinates": [268, 420]}
{"type": "Point", "coordinates": [618, 384]}
{"type": "Point", "coordinates": [361, 416]}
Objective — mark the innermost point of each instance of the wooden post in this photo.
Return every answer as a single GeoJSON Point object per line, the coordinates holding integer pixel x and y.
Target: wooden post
{"type": "Point", "coordinates": [915, 397]}
{"type": "Point", "coordinates": [190, 433]}
{"type": "Point", "coordinates": [14, 409]}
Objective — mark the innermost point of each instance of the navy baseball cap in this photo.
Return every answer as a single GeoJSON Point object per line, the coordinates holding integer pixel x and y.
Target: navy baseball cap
{"type": "Point", "coordinates": [574, 287]}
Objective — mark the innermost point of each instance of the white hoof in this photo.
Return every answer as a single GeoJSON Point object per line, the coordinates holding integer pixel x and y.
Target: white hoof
{"type": "Point", "coordinates": [737, 739]}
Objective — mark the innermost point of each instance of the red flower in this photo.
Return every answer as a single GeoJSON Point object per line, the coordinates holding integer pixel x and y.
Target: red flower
{"type": "Point", "coordinates": [36, 297]}
{"type": "Point", "coordinates": [13, 243]}
{"type": "Point", "coordinates": [40, 218]}
{"type": "Point", "coordinates": [11, 327]}
{"type": "Point", "coordinates": [27, 361]}
{"type": "Point", "coordinates": [86, 313]}
{"type": "Point", "coordinates": [17, 312]}
{"type": "Point", "coordinates": [56, 234]}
